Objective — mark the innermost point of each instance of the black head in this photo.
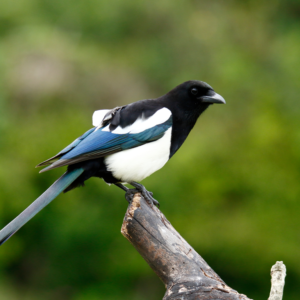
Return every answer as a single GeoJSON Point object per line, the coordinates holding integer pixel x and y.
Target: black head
{"type": "Point", "coordinates": [194, 95]}
{"type": "Point", "coordinates": [187, 101]}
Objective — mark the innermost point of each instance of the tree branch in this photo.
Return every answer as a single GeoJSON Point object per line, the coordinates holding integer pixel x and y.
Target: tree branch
{"type": "Point", "coordinates": [278, 273]}
{"type": "Point", "coordinates": [183, 271]}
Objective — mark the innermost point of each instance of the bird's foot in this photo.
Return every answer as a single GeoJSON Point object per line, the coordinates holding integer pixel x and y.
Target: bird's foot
{"type": "Point", "coordinates": [148, 196]}
{"type": "Point", "coordinates": [130, 194]}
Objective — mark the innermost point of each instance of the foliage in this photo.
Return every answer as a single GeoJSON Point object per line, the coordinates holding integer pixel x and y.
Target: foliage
{"type": "Point", "coordinates": [232, 190]}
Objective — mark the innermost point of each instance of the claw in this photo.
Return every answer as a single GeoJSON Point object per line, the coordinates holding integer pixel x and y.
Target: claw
{"type": "Point", "coordinates": [130, 194]}
{"type": "Point", "coordinates": [139, 188]}
{"type": "Point", "coordinates": [148, 196]}
{"type": "Point", "coordinates": [156, 203]}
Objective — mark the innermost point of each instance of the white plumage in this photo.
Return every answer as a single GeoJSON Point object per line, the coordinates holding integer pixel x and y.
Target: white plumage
{"type": "Point", "coordinates": [141, 124]}
{"type": "Point", "coordinates": [138, 163]}
{"type": "Point", "coordinates": [98, 116]}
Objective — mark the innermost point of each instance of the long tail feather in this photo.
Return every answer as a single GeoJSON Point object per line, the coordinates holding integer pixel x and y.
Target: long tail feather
{"type": "Point", "coordinates": [51, 193]}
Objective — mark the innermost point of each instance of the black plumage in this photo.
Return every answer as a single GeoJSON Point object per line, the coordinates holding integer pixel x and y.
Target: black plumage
{"type": "Point", "coordinates": [127, 144]}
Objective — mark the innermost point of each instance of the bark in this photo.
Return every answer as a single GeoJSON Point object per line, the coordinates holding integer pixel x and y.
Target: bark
{"type": "Point", "coordinates": [183, 271]}
{"type": "Point", "coordinates": [278, 273]}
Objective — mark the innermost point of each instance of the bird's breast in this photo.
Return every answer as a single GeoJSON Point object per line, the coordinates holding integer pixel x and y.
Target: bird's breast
{"type": "Point", "coordinates": [138, 163]}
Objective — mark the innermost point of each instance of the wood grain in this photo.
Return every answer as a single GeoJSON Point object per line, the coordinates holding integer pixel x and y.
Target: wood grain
{"type": "Point", "coordinates": [184, 272]}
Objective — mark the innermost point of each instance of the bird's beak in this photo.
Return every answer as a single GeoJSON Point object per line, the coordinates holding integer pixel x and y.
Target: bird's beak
{"type": "Point", "coordinates": [215, 98]}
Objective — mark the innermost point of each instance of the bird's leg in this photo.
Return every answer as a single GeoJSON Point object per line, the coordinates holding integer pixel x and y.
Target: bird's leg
{"type": "Point", "coordinates": [121, 186]}
{"type": "Point", "coordinates": [129, 192]}
{"type": "Point", "coordinates": [146, 194]}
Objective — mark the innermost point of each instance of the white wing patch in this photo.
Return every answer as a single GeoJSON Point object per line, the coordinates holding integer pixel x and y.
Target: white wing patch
{"type": "Point", "coordinates": [98, 116]}
{"type": "Point", "coordinates": [142, 124]}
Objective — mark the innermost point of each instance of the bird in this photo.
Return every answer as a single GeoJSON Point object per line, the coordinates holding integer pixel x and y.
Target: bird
{"type": "Point", "coordinates": [125, 145]}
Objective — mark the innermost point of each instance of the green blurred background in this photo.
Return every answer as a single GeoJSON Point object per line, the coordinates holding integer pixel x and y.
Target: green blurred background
{"type": "Point", "coordinates": [232, 190]}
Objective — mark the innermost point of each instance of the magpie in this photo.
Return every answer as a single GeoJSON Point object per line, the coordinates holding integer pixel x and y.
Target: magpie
{"type": "Point", "coordinates": [126, 145]}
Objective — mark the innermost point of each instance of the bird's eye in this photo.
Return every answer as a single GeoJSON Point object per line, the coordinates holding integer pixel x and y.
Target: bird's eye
{"type": "Point", "coordinates": [194, 91]}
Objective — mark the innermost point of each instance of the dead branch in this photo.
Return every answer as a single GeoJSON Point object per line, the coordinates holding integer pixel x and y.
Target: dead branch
{"type": "Point", "coordinates": [278, 273]}
{"type": "Point", "coordinates": [183, 271]}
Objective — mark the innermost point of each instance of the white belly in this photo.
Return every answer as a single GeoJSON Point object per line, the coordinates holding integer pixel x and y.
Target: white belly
{"type": "Point", "coordinates": [138, 163]}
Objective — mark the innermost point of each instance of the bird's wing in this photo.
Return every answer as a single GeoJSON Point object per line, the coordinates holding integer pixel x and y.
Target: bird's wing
{"type": "Point", "coordinates": [100, 117]}
{"type": "Point", "coordinates": [66, 150]}
{"type": "Point", "coordinates": [100, 142]}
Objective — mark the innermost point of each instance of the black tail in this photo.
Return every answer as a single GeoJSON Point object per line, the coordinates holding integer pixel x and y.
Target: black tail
{"type": "Point", "coordinates": [51, 193]}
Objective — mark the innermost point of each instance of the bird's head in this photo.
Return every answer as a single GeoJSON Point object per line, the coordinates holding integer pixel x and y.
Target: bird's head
{"type": "Point", "coordinates": [193, 96]}
{"type": "Point", "coordinates": [197, 92]}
